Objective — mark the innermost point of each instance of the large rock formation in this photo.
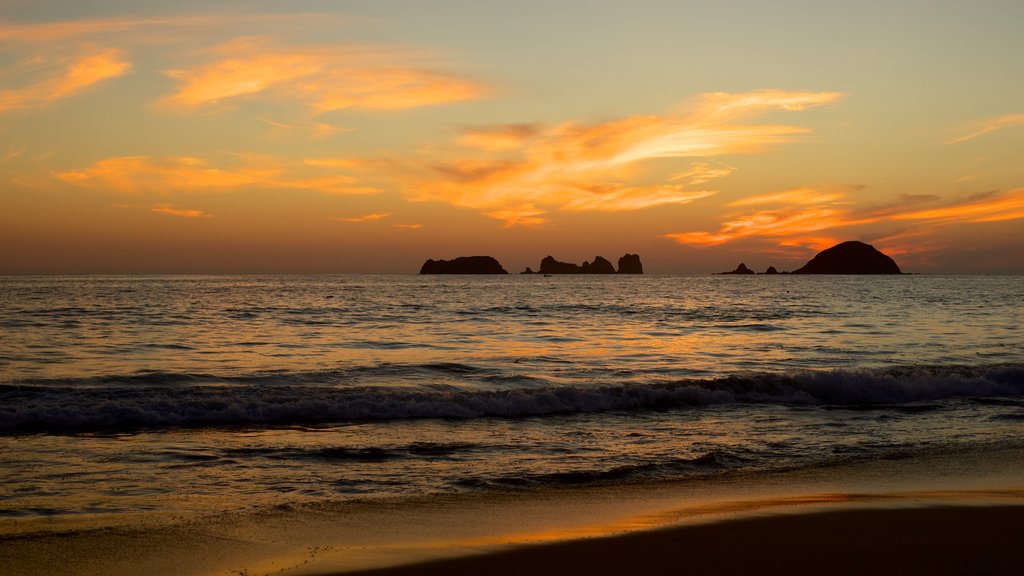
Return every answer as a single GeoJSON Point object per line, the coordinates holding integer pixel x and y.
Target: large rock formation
{"type": "Point", "coordinates": [741, 269]}
{"type": "Point", "coordinates": [463, 265]}
{"type": "Point", "coordinates": [630, 264]}
{"type": "Point", "coordinates": [850, 258]}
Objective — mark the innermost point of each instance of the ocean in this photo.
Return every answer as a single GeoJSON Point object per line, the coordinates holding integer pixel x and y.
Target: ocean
{"type": "Point", "coordinates": [164, 398]}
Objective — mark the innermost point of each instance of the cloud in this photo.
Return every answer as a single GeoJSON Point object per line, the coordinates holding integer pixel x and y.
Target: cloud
{"type": "Point", "coordinates": [185, 174]}
{"type": "Point", "coordinates": [809, 211]}
{"type": "Point", "coordinates": [65, 77]}
{"type": "Point", "coordinates": [498, 138]}
{"type": "Point", "coordinates": [990, 208]}
{"type": "Point", "coordinates": [989, 126]}
{"type": "Point", "coordinates": [316, 129]}
{"type": "Point", "coordinates": [170, 210]}
{"type": "Point", "coordinates": [580, 166]}
{"type": "Point", "coordinates": [156, 29]}
{"type": "Point", "coordinates": [408, 226]}
{"type": "Point", "coordinates": [367, 218]}
{"type": "Point", "coordinates": [324, 78]}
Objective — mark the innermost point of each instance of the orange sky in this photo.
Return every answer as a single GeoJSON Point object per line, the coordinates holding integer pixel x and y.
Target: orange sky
{"type": "Point", "coordinates": [369, 136]}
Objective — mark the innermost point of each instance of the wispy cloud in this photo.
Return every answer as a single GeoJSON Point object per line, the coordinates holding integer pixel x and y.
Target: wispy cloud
{"type": "Point", "coordinates": [408, 226]}
{"type": "Point", "coordinates": [12, 153]}
{"type": "Point", "coordinates": [59, 78]}
{"type": "Point", "coordinates": [316, 129]}
{"type": "Point", "coordinates": [576, 166]}
{"type": "Point", "coordinates": [170, 210]}
{"type": "Point", "coordinates": [324, 78]}
{"type": "Point", "coordinates": [156, 29]}
{"type": "Point", "coordinates": [989, 126]}
{"type": "Point", "coordinates": [367, 218]}
{"type": "Point", "coordinates": [185, 174]}
{"type": "Point", "coordinates": [799, 216]}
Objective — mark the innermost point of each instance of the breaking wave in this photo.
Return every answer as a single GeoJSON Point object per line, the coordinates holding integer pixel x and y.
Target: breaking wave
{"type": "Point", "coordinates": [199, 400]}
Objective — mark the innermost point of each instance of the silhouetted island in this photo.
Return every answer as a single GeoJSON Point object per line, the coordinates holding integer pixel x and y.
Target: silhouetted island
{"type": "Point", "coordinates": [851, 257]}
{"type": "Point", "coordinates": [741, 269]}
{"type": "Point", "coordinates": [628, 264]}
{"type": "Point", "coordinates": [463, 265]}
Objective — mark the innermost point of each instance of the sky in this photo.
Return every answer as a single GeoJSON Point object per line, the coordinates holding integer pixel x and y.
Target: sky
{"type": "Point", "coordinates": [367, 136]}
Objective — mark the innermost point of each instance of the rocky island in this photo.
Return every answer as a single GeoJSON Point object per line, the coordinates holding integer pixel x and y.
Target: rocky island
{"type": "Point", "coordinates": [463, 265]}
{"type": "Point", "coordinates": [851, 257]}
{"type": "Point", "coordinates": [628, 264]}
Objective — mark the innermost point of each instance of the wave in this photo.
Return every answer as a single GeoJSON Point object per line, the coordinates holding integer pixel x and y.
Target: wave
{"type": "Point", "coordinates": [200, 400]}
{"type": "Point", "coordinates": [707, 463]}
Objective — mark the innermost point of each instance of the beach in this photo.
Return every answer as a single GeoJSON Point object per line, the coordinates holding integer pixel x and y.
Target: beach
{"type": "Point", "coordinates": [929, 540]}
{"type": "Point", "coordinates": [961, 516]}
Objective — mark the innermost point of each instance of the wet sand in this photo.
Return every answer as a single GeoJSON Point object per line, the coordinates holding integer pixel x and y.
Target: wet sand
{"type": "Point", "coordinates": [959, 513]}
{"type": "Point", "coordinates": [899, 541]}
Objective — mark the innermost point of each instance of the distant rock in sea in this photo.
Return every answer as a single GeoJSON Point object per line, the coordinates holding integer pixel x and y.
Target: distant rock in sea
{"type": "Point", "coordinates": [551, 266]}
{"type": "Point", "coordinates": [771, 270]}
{"type": "Point", "coordinates": [850, 258]}
{"type": "Point", "coordinates": [628, 264]}
{"type": "Point", "coordinates": [598, 266]}
{"type": "Point", "coordinates": [741, 269]}
{"type": "Point", "coordinates": [463, 265]}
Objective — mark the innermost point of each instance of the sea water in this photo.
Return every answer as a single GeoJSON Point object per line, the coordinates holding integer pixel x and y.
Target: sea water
{"type": "Point", "coordinates": [175, 396]}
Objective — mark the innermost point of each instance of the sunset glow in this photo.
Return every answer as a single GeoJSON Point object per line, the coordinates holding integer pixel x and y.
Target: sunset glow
{"type": "Point", "coordinates": [487, 129]}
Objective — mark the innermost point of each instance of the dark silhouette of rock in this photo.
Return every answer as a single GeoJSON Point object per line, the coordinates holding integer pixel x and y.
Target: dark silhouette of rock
{"type": "Point", "coordinates": [599, 266]}
{"type": "Point", "coordinates": [771, 270]}
{"type": "Point", "coordinates": [741, 269]}
{"type": "Point", "coordinates": [551, 266]}
{"type": "Point", "coordinates": [527, 271]}
{"type": "Point", "coordinates": [850, 258]}
{"type": "Point", "coordinates": [630, 264]}
{"type": "Point", "coordinates": [463, 265]}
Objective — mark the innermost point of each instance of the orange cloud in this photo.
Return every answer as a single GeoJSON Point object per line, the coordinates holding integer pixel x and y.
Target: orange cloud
{"type": "Point", "coordinates": [181, 212]}
{"type": "Point", "coordinates": [1006, 206]}
{"type": "Point", "coordinates": [989, 126]}
{"type": "Point", "coordinates": [408, 226]}
{"type": "Point", "coordinates": [578, 167]}
{"type": "Point", "coordinates": [498, 138]}
{"type": "Point", "coordinates": [323, 77]}
{"type": "Point", "coordinates": [807, 211]}
{"type": "Point", "coordinates": [142, 174]}
{"type": "Point", "coordinates": [367, 218]}
{"type": "Point", "coordinates": [72, 75]}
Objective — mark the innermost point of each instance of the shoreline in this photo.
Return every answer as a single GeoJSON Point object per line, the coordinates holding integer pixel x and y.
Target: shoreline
{"type": "Point", "coordinates": [488, 530]}
{"type": "Point", "coordinates": [933, 539]}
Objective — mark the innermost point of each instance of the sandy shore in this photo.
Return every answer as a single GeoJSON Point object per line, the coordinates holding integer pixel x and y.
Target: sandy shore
{"type": "Point", "coordinates": [957, 513]}
{"type": "Point", "coordinates": [899, 541]}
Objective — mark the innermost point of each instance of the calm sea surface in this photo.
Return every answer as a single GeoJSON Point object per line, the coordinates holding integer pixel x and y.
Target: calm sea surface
{"type": "Point", "coordinates": [173, 396]}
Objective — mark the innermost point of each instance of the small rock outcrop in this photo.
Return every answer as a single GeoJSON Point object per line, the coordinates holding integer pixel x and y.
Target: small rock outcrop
{"type": "Point", "coordinates": [741, 269]}
{"type": "Point", "coordinates": [630, 264]}
{"type": "Point", "coordinates": [599, 266]}
{"type": "Point", "coordinates": [771, 270]}
{"type": "Point", "coordinates": [551, 266]}
{"type": "Point", "coordinates": [850, 258]}
{"type": "Point", "coordinates": [463, 265]}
